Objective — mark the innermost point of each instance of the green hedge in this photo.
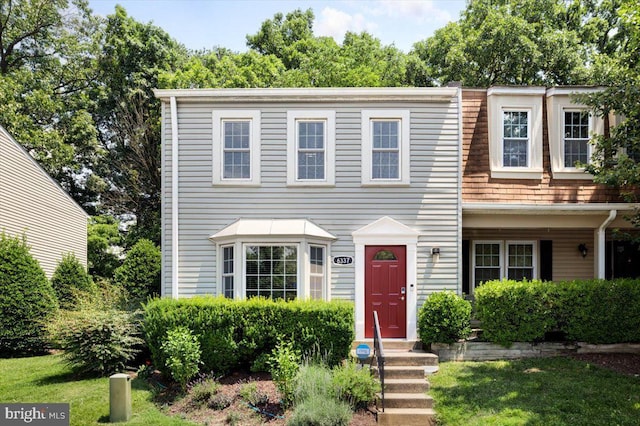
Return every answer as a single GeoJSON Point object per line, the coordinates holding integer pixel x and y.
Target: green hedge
{"type": "Point", "coordinates": [444, 317]}
{"type": "Point", "coordinates": [239, 333]}
{"type": "Point", "coordinates": [593, 311]}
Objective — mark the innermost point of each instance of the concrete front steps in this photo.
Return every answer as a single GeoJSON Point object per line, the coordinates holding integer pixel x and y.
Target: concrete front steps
{"type": "Point", "coordinates": [406, 402]}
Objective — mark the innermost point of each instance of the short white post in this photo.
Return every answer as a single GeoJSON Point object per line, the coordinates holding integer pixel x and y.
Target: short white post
{"type": "Point", "coordinates": [119, 398]}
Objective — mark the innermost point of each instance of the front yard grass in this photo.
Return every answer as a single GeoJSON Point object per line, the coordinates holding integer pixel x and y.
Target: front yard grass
{"type": "Point", "coordinates": [551, 391]}
{"type": "Point", "coordinates": [48, 379]}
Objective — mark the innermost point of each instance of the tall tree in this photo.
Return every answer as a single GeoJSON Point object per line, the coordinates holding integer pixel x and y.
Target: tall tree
{"type": "Point", "coordinates": [510, 42]}
{"type": "Point", "coordinates": [128, 117]}
{"type": "Point", "coordinates": [616, 153]}
{"type": "Point", "coordinates": [47, 64]}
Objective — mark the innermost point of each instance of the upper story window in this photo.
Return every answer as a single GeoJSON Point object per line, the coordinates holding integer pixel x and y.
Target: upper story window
{"type": "Point", "coordinates": [515, 138]}
{"type": "Point", "coordinates": [570, 130]}
{"type": "Point", "coordinates": [311, 147]}
{"type": "Point", "coordinates": [576, 138]}
{"type": "Point", "coordinates": [385, 147]}
{"type": "Point", "coordinates": [236, 147]}
{"type": "Point", "coordinates": [515, 132]}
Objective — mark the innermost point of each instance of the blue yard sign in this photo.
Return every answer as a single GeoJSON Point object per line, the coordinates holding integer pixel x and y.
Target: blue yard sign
{"type": "Point", "coordinates": [363, 351]}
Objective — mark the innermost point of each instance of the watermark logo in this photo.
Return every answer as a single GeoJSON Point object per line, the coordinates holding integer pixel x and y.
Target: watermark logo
{"type": "Point", "coordinates": [34, 414]}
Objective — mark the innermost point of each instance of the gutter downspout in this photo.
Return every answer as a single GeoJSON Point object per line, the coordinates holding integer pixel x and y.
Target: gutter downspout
{"type": "Point", "coordinates": [174, 198]}
{"type": "Point", "coordinates": [600, 248]}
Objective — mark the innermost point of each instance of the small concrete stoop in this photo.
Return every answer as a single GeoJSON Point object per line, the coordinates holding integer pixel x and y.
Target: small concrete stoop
{"type": "Point", "coordinates": [406, 402]}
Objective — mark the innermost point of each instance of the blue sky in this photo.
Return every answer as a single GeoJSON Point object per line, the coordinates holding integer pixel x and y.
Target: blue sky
{"type": "Point", "coordinates": [202, 24]}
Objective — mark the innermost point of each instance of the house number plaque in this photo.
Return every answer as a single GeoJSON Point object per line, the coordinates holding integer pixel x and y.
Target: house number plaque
{"type": "Point", "coordinates": [342, 260]}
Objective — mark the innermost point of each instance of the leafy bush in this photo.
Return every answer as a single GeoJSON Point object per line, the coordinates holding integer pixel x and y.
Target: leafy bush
{"type": "Point", "coordinates": [69, 278]}
{"type": "Point", "coordinates": [598, 311]}
{"type": "Point", "coordinates": [27, 300]}
{"type": "Point", "coordinates": [321, 411]}
{"type": "Point", "coordinates": [140, 271]}
{"type": "Point", "coordinates": [235, 334]}
{"type": "Point", "coordinates": [182, 351]}
{"type": "Point", "coordinates": [592, 311]}
{"type": "Point", "coordinates": [283, 366]}
{"type": "Point", "coordinates": [220, 401]}
{"type": "Point", "coordinates": [97, 338]}
{"type": "Point", "coordinates": [444, 317]}
{"type": "Point", "coordinates": [355, 385]}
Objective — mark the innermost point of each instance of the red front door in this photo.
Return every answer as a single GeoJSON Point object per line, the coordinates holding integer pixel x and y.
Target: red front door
{"type": "Point", "coordinates": [385, 288]}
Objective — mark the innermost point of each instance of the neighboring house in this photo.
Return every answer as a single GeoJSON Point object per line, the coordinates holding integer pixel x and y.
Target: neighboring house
{"type": "Point", "coordinates": [529, 210]}
{"type": "Point", "coordinates": [34, 205]}
{"type": "Point", "coordinates": [273, 192]}
{"type": "Point", "coordinates": [379, 195]}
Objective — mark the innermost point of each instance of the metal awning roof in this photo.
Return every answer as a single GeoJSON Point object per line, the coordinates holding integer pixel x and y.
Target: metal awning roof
{"type": "Point", "coordinates": [272, 228]}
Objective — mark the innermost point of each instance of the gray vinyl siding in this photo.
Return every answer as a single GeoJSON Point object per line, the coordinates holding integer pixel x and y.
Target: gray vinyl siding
{"type": "Point", "coordinates": [429, 205]}
{"type": "Point", "coordinates": [32, 204]}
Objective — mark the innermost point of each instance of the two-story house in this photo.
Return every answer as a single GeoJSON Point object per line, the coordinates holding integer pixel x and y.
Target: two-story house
{"type": "Point", "coordinates": [379, 195]}
{"type": "Point", "coordinates": [346, 193]}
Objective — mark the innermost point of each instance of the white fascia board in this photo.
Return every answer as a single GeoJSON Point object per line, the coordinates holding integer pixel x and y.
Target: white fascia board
{"type": "Point", "coordinates": [542, 209]}
{"type": "Point", "coordinates": [436, 94]}
{"type": "Point", "coordinates": [573, 90]}
{"type": "Point", "coordinates": [516, 90]}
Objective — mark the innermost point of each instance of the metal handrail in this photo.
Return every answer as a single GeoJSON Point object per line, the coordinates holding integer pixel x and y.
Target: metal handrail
{"type": "Point", "coordinates": [378, 352]}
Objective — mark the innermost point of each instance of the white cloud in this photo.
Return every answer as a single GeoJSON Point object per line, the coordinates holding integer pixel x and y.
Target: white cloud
{"type": "Point", "coordinates": [335, 23]}
{"type": "Point", "coordinates": [417, 10]}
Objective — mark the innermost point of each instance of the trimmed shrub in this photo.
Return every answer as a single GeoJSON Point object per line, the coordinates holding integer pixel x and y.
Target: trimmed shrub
{"type": "Point", "coordinates": [182, 351]}
{"type": "Point", "coordinates": [140, 271]}
{"type": "Point", "coordinates": [514, 311]}
{"type": "Point", "coordinates": [444, 317]}
{"type": "Point", "coordinates": [97, 339]}
{"type": "Point", "coordinates": [355, 385]}
{"type": "Point", "coordinates": [27, 300]}
{"type": "Point", "coordinates": [235, 334]}
{"type": "Point", "coordinates": [598, 311]}
{"type": "Point", "coordinates": [69, 278]}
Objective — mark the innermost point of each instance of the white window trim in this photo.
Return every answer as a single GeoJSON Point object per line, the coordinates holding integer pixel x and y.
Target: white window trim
{"type": "Point", "coordinates": [304, 266]}
{"type": "Point", "coordinates": [563, 139]}
{"type": "Point", "coordinates": [404, 116]}
{"type": "Point", "coordinates": [504, 258]}
{"type": "Point", "coordinates": [219, 116]}
{"type": "Point", "coordinates": [514, 99]}
{"type": "Point", "coordinates": [557, 104]}
{"type": "Point", "coordinates": [221, 268]}
{"type": "Point", "coordinates": [329, 118]}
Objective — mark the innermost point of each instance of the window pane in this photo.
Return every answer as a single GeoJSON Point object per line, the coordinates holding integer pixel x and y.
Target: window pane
{"type": "Point", "coordinates": [227, 272]}
{"type": "Point", "coordinates": [236, 165]}
{"type": "Point", "coordinates": [271, 271]}
{"type": "Point", "coordinates": [317, 274]}
{"type": "Point", "coordinates": [385, 165]}
{"type": "Point", "coordinates": [516, 138]}
{"type": "Point", "coordinates": [384, 255]}
{"type": "Point", "coordinates": [576, 138]}
{"type": "Point", "coordinates": [311, 165]}
{"type": "Point", "coordinates": [520, 261]}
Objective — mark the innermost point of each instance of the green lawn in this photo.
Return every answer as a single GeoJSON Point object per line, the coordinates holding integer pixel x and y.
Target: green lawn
{"type": "Point", "coordinates": [552, 391]}
{"type": "Point", "coordinates": [47, 379]}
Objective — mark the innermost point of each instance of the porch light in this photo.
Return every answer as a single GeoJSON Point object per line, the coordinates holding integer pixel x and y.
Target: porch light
{"type": "Point", "coordinates": [582, 248]}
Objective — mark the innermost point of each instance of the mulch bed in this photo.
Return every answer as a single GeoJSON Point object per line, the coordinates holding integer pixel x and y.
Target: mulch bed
{"type": "Point", "coordinates": [623, 363]}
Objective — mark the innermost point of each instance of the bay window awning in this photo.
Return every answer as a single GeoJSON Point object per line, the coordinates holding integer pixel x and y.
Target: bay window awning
{"type": "Point", "coordinates": [285, 228]}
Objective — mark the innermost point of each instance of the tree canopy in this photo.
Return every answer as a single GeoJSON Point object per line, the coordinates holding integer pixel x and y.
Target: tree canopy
{"type": "Point", "coordinates": [76, 89]}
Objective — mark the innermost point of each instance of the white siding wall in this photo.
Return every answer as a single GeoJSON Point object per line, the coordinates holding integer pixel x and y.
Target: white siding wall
{"type": "Point", "coordinates": [429, 205]}
{"type": "Point", "coordinates": [31, 203]}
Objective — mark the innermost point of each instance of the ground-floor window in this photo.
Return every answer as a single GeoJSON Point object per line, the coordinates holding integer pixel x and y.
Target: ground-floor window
{"type": "Point", "coordinates": [494, 260]}
{"type": "Point", "coordinates": [272, 270]}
